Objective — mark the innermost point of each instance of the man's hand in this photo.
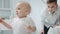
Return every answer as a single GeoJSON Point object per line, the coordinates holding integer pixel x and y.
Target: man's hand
{"type": "Point", "coordinates": [57, 26]}
{"type": "Point", "coordinates": [42, 31]}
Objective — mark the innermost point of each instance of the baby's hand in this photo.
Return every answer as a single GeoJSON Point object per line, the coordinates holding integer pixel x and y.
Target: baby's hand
{"type": "Point", "coordinates": [1, 20]}
{"type": "Point", "coordinates": [29, 28]}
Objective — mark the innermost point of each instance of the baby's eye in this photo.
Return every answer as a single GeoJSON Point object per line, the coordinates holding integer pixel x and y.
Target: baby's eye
{"type": "Point", "coordinates": [52, 6]}
{"type": "Point", "coordinates": [18, 8]}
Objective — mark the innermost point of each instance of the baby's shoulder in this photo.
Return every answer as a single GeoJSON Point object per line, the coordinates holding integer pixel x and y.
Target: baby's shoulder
{"type": "Point", "coordinates": [30, 20]}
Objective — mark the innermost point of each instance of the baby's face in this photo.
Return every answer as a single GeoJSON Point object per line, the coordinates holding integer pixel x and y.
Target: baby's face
{"type": "Point", "coordinates": [22, 10]}
{"type": "Point", "coordinates": [52, 7]}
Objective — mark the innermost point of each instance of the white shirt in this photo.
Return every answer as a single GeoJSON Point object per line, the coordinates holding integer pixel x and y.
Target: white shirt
{"type": "Point", "coordinates": [49, 19]}
{"type": "Point", "coordinates": [19, 25]}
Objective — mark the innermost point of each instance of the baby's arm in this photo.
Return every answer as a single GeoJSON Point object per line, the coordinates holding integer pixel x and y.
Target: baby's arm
{"type": "Point", "coordinates": [30, 25]}
{"type": "Point", "coordinates": [5, 24]}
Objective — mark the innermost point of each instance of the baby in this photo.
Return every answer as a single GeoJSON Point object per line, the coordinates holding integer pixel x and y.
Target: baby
{"type": "Point", "coordinates": [21, 24]}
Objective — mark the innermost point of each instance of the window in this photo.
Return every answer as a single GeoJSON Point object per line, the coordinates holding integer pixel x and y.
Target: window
{"type": "Point", "coordinates": [5, 8]}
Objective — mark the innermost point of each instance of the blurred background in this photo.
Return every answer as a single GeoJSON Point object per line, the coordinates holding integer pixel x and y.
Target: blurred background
{"type": "Point", "coordinates": [7, 11]}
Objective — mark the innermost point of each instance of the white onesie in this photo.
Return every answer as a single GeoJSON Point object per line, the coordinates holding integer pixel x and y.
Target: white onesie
{"type": "Point", "coordinates": [19, 25]}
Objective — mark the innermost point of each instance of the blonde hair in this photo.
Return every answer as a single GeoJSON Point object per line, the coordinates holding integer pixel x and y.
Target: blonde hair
{"type": "Point", "coordinates": [26, 3]}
